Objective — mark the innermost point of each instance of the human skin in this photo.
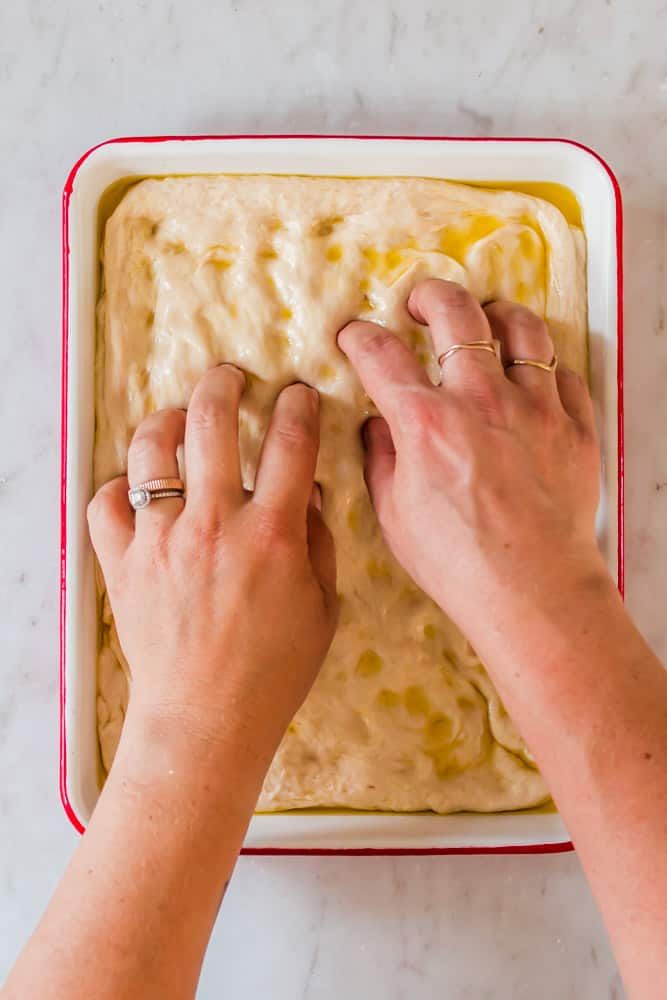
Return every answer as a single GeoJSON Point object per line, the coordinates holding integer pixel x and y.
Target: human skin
{"type": "Point", "coordinates": [225, 607]}
{"type": "Point", "coordinates": [486, 489]}
{"type": "Point", "coordinates": [504, 467]}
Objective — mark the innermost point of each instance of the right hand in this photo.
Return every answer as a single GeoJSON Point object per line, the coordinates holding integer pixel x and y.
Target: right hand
{"type": "Point", "coordinates": [488, 484]}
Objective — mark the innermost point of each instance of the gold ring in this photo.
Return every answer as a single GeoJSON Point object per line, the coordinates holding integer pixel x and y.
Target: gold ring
{"type": "Point", "coordinates": [542, 365]}
{"type": "Point", "coordinates": [493, 346]}
{"type": "Point", "coordinates": [165, 483]}
{"type": "Point", "coordinates": [155, 489]}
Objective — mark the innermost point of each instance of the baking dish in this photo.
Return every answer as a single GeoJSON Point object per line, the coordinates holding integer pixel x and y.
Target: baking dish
{"type": "Point", "coordinates": [512, 161]}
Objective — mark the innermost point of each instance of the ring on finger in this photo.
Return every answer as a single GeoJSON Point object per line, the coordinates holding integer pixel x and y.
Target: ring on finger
{"type": "Point", "coordinates": [492, 346]}
{"type": "Point", "coordinates": [542, 365]}
{"type": "Point", "coordinates": [155, 489]}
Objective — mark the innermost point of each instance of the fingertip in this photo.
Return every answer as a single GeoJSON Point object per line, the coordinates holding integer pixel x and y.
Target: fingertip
{"type": "Point", "coordinates": [238, 372]}
{"type": "Point", "coordinates": [301, 400]}
{"type": "Point", "coordinates": [355, 326]}
{"type": "Point", "coordinates": [437, 294]}
{"type": "Point", "coordinates": [216, 373]}
{"type": "Point", "coordinates": [306, 391]}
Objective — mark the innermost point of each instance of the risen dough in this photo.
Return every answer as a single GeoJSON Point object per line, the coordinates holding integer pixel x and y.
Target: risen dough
{"type": "Point", "coordinates": [262, 271]}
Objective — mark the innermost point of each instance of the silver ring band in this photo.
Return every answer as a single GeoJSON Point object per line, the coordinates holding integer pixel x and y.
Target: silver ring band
{"type": "Point", "coordinates": [141, 496]}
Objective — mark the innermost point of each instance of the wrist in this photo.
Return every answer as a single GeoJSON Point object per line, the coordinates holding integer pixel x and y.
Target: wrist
{"type": "Point", "coordinates": [190, 753]}
{"type": "Point", "coordinates": [569, 594]}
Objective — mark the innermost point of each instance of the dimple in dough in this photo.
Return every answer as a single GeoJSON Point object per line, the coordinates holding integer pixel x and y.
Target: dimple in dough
{"type": "Point", "coordinates": [262, 271]}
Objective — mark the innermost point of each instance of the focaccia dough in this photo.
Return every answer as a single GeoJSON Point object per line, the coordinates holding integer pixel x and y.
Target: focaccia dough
{"type": "Point", "coordinates": [262, 271]}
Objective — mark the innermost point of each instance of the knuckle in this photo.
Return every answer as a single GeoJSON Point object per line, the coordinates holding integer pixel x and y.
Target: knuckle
{"type": "Point", "coordinates": [198, 536]}
{"type": "Point", "coordinates": [548, 413]}
{"type": "Point", "coordinates": [100, 504]}
{"type": "Point", "coordinates": [575, 381]}
{"type": "Point", "coordinates": [206, 412]}
{"type": "Point", "coordinates": [526, 331]}
{"type": "Point", "coordinates": [378, 342]}
{"type": "Point", "coordinates": [448, 295]}
{"type": "Point", "coordinates": [272, 530]}
{"type": "Point", "coordinates": [294, 433]}
{"type": "Point", "coordinates": [216, 397]}
{"type": "Point", "coordinates": [422, 414]}
{"type": "Point", "coordinates": [162, 423]}
{"type": "Point", "coordinates": [523, 320]}
{"type": "Point", "coordinates": [488, 396]}
{"type": "Point", "coordinates": [157, 431]}
{"type": "Point", "coordinates": [146, 441]}
{"type": "Point", "coordinates": [295, 423]}
{"type": "Point", "coordinates": [588, 439]}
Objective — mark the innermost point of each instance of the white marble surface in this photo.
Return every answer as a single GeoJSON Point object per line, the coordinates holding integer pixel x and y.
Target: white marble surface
{"type": "Point", "coordinates": [75, 72]}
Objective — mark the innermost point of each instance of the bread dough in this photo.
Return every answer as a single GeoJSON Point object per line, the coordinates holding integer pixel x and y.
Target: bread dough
{"type": "Point", "coordinates": [262, 271]}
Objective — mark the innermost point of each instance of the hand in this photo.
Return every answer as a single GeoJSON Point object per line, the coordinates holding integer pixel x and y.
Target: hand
{"type": "Point", "coordinates": [225, 605]}
{"type": "Point", "coordinates": [488, 484]}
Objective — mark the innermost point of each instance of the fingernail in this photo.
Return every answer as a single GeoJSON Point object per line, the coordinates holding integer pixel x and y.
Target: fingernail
{"type": "Point", "coordinates": [234, 368]}
{"type": "Point", "coordinates": [312, 392]}
{"type": "Point", "coordinates": [343, 328]}
{"type": "Point", "coordinates": [316, 496]}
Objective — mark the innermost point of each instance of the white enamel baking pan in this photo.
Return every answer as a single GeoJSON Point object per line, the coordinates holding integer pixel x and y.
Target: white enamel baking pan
{"type": "Point", "coordinates": [509, 160]}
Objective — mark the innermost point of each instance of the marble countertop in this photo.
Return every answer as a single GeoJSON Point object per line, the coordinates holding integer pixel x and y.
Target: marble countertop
{"type": "Point", "coordinates": [75, 72]}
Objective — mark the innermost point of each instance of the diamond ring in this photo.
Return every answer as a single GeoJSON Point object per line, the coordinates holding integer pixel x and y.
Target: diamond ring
{"type": "Point", "coordinates": [155, 489]}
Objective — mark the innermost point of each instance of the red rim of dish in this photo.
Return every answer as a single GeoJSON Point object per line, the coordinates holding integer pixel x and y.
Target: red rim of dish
{"type": "Point", "coordinates": [547, 848]}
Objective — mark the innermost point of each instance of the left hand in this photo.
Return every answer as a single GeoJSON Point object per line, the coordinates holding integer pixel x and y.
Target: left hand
{"type": "Point", "coordinates": [225, 605]}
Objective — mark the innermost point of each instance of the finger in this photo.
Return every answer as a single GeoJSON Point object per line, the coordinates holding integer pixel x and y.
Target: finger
{"type": "Point", "coordinates": [212, 457]}
{"type": "Point", "coordinates": [455, 317]}
{"type": "Point", "coordinates": [111, 521]}
{"type": "Point", "coordinates": [316, 496]}
{"type": "Point", "coordinates": [152, 455]}
{"type": "Point", "coordinates": [287, 462]}
{"type": "Point", "coordinates": [576, 398]}
{"type": "Point", "coordinates": [386, 366]}
{"type": "Point", "coordinates": [380, 460]}
{"type": "Point", "coordinates": [322, 555]}
{"type": "Point", "coordinates": [524, 335]}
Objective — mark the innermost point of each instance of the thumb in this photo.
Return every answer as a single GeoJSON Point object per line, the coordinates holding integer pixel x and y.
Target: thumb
{"type": "Point", "coordinates": [379, 465]}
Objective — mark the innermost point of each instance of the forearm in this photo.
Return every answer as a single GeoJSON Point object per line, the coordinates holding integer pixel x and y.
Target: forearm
{"type": "Point", "coordinates": [591, 700]}
{"type": "Point", "coordinates": [135, 909]}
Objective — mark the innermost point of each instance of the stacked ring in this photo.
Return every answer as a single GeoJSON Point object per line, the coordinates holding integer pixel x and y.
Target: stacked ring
{"type": "Point", "coordinates": [155, 489]}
